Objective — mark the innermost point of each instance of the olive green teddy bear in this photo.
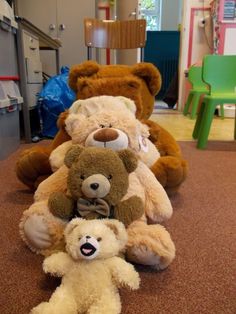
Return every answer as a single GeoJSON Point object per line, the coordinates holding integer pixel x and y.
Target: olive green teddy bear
{"type": "Point", "coordinates": [98, 179]}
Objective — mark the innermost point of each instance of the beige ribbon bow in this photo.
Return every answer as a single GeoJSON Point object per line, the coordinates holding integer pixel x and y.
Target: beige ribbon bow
{"type": "Point", "coordinates": [98, 205]}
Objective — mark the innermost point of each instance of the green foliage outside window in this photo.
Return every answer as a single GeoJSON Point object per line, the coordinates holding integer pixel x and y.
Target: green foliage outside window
{"type": "Point", "coordinates": [148, 5]}
{"type": "Point", "coordinates": [151, 10]}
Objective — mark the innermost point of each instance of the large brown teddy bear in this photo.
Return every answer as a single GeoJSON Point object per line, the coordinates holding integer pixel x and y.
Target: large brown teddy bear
{"type": "Point", "coordinates": [140, 82]}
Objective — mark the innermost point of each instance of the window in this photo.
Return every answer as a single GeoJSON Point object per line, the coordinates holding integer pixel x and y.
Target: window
{"type": "Point", "coordinates": [151, 11]}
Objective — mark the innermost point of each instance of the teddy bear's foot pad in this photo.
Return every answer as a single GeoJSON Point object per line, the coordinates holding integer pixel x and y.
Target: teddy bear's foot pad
{"type": "Point", "coordinates": [143, 255]}
{"type": "Point", "coordinates": [36, 232]}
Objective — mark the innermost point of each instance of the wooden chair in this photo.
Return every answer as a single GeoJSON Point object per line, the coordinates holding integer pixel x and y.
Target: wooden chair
{"type": "Point", "coordinates": [114, 34]}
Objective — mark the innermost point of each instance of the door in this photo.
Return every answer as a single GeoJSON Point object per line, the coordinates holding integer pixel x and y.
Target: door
{"type": "Point", "coordinates": [70, 16]}
{"type": "Point", "coordinates": [127, 10]}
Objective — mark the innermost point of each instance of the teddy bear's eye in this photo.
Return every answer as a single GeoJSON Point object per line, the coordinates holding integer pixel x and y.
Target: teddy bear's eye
{"type": "Point", "coordinates": [109, 177]}
{"type": "Point", "coordinates": [79, 238]}
{"type": "Point", "coordinates": [99, 239]}
{"type": "Point", "coordinates": [110, 126]}
{"type": "Point", "coordinates": [102, 126]}
{"type": "Point", "coordinates": [82, 177]}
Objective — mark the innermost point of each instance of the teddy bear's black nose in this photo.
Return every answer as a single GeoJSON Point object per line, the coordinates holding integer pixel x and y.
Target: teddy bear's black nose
{"type": "Point", "coordinates": [94, 186]}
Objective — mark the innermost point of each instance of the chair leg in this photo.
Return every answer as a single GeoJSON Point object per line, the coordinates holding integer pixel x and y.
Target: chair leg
{"type": "Point", "coordinates": [198, 122]}
{"type": "Point", "coordinates": [195, 103]}
{"type": "Point", "coordinates": [235, 122]}
{"type": "Point", "coordinates": [222, 112]}
{"type": "Point", "coordinates": [188, 103]}
{"type": "Point", "coordinates": [207, 118]}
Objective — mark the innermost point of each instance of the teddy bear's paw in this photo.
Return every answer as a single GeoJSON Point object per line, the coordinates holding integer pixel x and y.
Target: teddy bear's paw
{"type": "Point", "coordinates": [42, 308]}
{"type": "Point", "coordinates": [150, 245]}
{"type": "Point", "coordinates": [134, 280]}
{"type": "Point", "coordinates": [36, 232]}
{"type": "Point", "coordinates": [143, 255]}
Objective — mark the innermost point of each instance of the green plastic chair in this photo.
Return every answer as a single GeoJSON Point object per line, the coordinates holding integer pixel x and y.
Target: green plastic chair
{"type": "Point", "coordinates": [198, 89]}
{"type": "Point", "coordinates": [219, 72]}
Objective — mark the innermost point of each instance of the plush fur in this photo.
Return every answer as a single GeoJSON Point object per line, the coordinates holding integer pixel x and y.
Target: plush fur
{"type": "Point", "coordinates": [43, 232]}
{"type": "Point", "coordinates": [37, 224]}
{"type": "Point", "coordinates": [97, 176]}
{"type": "Point", "coordinates": [140, 82]}
{"type": "Point", "coordinates": [91, 271]}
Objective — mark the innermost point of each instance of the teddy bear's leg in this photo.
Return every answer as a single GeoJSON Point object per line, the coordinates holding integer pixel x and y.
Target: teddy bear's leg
{"type": "Point", "coordinates": [33, 166]}
{"type": "Point", "coordinates": [61, 302]}
{"type": "Point", "coordinates": [40, 230]}
{"type": "Point", "coordinates": [109, 303]}
{"type": "Point", "coordinates": [170, 171]}
{"type": "Point", "coordinates": [149, 245]}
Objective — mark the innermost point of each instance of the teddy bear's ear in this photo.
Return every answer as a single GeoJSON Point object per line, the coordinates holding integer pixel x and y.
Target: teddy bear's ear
{"type": "Point", "coordinates": [84, 69]}
{"type": "Point", "coordinates": [119, 230]}
{"type": "Point", "coordinates": [72, 225]}
{"type": "Point", "coordinates": [129, 159]}
{"type": "Point", "coordinates": [150, 74]}
{"type": "Point", "coordinates": [61, 119]}
{"type": "Point", "coordinates": [130, 104]}
{"type": "Point", "coordinates": [74, 108]}
{"type": "Point", "coordinates": [72, 155]}
{"type": "Point", "coordinates": [72, 122]}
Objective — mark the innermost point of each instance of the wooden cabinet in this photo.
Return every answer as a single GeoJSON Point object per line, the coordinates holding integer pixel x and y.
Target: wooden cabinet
{"type": "Point", "coordinates": [62, 20]}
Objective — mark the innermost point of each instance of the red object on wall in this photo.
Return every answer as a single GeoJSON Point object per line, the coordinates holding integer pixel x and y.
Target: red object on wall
{"type": "Point", "coordinates": [9, 78]}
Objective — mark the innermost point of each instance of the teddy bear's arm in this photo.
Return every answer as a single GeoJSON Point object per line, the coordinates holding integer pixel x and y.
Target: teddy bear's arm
{"type": "Point", "coordinates": [57, 264]}
{"type": "Point", "coordinates": [123, 273]}
{"type": "Point", "coordinates": [157, 206]}
{"type": "Point", "coordinates": [60, 205]}
{"type": "Point", "coordinates": [129, 210]}
{"type": "Point", "coordinates": [56, 182]}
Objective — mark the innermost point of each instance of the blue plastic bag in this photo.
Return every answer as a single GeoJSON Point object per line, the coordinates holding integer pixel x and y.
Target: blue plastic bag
{"type": "Point", "coordinates": [55, 97]}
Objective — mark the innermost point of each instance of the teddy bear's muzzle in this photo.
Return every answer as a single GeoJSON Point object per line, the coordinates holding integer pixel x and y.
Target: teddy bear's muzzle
{"type": "Point", "coordinates": [109, 138]}
{"type": "Point", "coordinates": [88, 247]}
{"type": "Point", "coordinates": [96, 186]}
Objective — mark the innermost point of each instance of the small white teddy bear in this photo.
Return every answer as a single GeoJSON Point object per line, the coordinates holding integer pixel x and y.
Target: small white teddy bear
{"type": "Point", "coordinates": [91, 271]}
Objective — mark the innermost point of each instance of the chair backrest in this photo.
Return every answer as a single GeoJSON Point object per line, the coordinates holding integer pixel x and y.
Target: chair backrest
{"type": "Point", "coordinates": [219, 71]}
{"type": "Point", "coordinates": [195, 78]}
{"type": "Point", "coordinates": [115, 34]}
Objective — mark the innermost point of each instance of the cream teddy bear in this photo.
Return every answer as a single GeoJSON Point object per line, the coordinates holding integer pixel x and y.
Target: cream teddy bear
{"type": "Point", "coordinates": [106, 121]}
{"type": "Point", "coordinates": [147, 244]}
{"type": "Point", "coordinates": [90, 269]}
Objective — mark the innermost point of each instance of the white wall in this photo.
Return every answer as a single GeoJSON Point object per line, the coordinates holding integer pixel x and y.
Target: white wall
{"type": "Point", "coordinates": [199, 47]}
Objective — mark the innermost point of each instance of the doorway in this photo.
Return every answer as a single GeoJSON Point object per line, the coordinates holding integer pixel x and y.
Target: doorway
{"type": "Point", "coordinates": [163, 40]}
